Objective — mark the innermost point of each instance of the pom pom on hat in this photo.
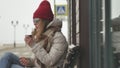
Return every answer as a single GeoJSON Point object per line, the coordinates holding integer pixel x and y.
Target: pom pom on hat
{"type": "Point", "coordinates": [44, 11]}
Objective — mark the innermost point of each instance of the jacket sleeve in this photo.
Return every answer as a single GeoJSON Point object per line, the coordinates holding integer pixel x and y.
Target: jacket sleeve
{"type": "Point", "coordinates": [31, 62]}
{"type": "Point", "coordinates": [59, 46]}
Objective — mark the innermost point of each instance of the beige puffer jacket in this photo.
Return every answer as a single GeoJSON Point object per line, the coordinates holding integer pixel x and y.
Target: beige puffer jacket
{"type": "Point", "coordinates": [56, 56]}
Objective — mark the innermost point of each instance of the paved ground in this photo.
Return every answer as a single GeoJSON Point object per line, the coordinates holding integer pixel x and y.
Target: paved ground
{"type": "Point", "coordinates": [20, 50]}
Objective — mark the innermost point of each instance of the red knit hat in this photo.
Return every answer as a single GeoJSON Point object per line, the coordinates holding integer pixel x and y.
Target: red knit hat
{"type": "Point", "coordinates": [44, 11]}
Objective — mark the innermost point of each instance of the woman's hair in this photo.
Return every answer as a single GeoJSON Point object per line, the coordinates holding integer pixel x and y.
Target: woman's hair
{"type": "Point", "coordinates": [37, 33]}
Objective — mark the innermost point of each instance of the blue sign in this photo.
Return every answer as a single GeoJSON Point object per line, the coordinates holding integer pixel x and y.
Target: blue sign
{"type": "Point", "coordinates": [61, 10]}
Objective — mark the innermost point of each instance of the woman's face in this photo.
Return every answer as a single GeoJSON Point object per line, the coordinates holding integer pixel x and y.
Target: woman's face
{"type": "Point", "coordinates": [38, 23]}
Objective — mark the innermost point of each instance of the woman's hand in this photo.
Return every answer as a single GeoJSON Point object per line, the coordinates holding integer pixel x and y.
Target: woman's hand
{"type": "Point", "coordinates": [28, 40]}
{"type": "Point", "coordinates": [24, 61]}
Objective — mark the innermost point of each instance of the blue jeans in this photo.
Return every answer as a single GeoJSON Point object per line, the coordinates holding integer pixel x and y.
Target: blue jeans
{"type": "Point", "coordinates": [9, 60]}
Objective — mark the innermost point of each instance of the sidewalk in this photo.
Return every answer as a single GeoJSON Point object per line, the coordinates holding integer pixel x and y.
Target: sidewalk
{"type": "Point", "coordinates": [20, 50]}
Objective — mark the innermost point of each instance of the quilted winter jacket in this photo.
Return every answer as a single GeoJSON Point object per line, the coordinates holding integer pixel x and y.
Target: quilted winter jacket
{"type": "Point", "coordinates": [56, 56]}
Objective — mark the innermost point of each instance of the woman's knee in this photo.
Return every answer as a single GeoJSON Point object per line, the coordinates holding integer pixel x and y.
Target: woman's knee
{"type": "Point", "coordinates": [7, 54]}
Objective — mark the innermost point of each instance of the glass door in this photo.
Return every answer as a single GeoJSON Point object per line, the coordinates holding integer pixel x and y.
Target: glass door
{"type": "Point", "coordinates": [101, 50]}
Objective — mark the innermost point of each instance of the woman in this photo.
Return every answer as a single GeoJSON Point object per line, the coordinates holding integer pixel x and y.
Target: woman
{"type": "Point", "coordinates": [47, 43]}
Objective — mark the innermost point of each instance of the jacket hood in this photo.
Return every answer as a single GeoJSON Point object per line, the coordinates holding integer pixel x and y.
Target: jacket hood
{"type": "Point", "coordinates": [55, 23]}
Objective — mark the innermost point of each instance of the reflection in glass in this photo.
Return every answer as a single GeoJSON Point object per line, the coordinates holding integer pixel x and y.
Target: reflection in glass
{"type": "Point", "coordinates": [115, 17]}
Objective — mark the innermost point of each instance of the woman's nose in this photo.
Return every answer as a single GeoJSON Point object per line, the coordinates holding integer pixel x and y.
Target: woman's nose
{"type": "Point", "coordinates": [34, 23]}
